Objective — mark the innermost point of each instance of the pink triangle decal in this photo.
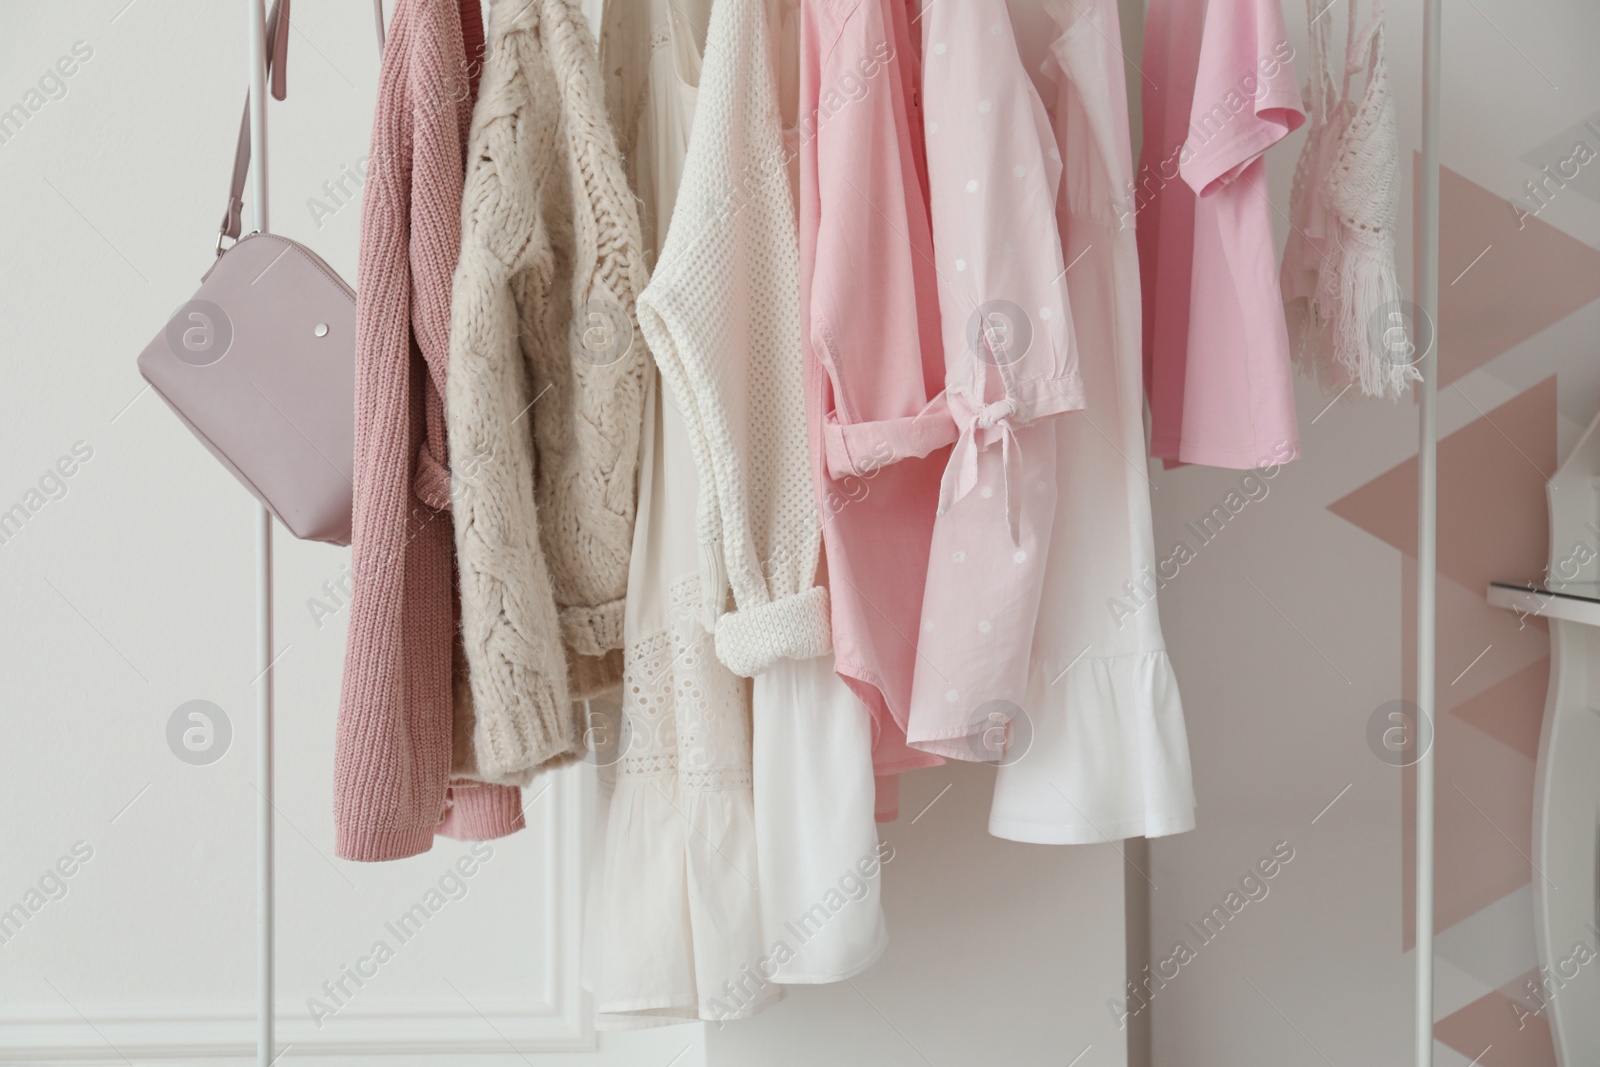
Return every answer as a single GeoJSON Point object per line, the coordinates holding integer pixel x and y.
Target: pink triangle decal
{"type": "Point", "coordinates": [1504, 274]}
{"type": "Point", "coordinates": [1512, 710]}
{"type": "Point", "coordinates": [1493, 518]}
{"type": "Point", "coordinates": [1493, 523]}
{"type": "Point", "coordinates": [1496, 1031]}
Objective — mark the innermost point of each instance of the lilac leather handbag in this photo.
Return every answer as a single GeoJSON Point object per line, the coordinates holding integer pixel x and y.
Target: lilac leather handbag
{"type": "Point", "coordinates": [260, 363]}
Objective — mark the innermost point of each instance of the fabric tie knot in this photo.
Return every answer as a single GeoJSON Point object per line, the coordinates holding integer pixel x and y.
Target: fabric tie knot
{"type": "Point", "coordinates": [961, 474]}
{"type": "Point", "coordinates": [996, 414]}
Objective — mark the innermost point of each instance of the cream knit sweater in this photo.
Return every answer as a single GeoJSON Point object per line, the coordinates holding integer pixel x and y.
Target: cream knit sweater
{"type": "Point", "coordinates": [546, 386]}
{"type": "Point", "coordinates": [722, 317]}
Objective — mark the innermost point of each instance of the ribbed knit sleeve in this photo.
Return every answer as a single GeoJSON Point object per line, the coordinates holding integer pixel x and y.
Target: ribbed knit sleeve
{"type": "Point", "coordinates": [546, 388]}
{"type": "Point", "coordinates": [393, 748]}
{"type": "Point", "coordinates": [722, 317]}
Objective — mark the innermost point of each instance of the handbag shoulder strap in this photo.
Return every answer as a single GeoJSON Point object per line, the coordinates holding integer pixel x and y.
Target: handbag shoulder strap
{"type": "Point", "coordinates": [277, 70]}
{"type": "Point", "coordinates": [377, 13]}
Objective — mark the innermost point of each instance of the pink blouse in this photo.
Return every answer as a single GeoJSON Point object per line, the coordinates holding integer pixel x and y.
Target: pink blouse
{"type": "Point", "coordinates": [1010, 361]}
{"type": "Point", "coordinates": [872, 353]}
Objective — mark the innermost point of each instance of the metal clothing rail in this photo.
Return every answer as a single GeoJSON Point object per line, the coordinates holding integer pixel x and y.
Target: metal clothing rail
{"type": "Point", "coordinates": [256, 61]}
{"type": "Point", "coordinates": [266, 1045]}
{"type": "Point", "coordinates": [1427, 547]}
{"type": "Point", "coordinates": [1427, 251]}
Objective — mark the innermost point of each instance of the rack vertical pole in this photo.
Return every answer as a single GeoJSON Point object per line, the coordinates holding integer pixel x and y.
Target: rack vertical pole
{"type": "Point", "coordinates": [1427, 523]}
{"type": "Point", "coordinates": [255, 14]}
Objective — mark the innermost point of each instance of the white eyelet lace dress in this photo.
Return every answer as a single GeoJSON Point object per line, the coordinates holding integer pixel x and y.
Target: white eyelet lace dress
{"type": "Point", "coordinates": [673, 906]}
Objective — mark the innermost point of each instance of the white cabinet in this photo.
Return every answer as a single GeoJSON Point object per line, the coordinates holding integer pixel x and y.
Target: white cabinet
{"type": "Point", "coordinates": [1566, 830]}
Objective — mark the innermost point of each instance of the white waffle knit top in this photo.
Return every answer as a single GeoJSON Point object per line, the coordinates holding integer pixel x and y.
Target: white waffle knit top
{"type": "Point", "coordinates": [721, 314]}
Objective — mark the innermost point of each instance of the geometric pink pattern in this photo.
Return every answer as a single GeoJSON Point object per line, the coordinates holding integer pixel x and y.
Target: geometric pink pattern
{"type": "Point", "coordinates": [1493, 515]}
{"type": "Point", "coordinates": [1502, 277]}
{"type": "Point", "coordinates": [1512, 710]}
{"type": "Point", "coordinates": [1511, 1033]}
{"type": "Point", "coordinates": [1493, 524]}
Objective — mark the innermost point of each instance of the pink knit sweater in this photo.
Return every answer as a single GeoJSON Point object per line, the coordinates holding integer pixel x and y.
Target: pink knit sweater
{"type": "Point", "coordinates": [392, 788]}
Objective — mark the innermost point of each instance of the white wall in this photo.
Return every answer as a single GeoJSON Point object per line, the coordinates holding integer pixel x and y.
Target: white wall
{"type": "Point", "coordinates": [1000, 953]}
{"type": "Point", "coordinates": [132, 593]}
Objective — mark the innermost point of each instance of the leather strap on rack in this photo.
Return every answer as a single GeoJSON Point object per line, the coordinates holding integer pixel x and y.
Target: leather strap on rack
{"type": "Point", "coordinates": [277, 70]}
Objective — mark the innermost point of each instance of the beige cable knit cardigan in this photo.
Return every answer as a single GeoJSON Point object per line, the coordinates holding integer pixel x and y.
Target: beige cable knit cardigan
{"type": "Point", "coordinates": [546, 388]}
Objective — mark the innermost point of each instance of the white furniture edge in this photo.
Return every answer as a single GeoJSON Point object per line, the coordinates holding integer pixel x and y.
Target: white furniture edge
{"type": "Point", "coordinates": [1534, 603]}
{"type": "Point", "coordinates": [1564, 826]}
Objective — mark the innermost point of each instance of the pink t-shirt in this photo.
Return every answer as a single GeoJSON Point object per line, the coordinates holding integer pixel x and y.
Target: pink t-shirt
{"type": "Point", "coordinates": [1219, 90]}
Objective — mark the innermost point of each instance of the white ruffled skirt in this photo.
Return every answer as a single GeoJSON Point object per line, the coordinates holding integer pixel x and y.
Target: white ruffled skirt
{"type": "Point", "coordinates": [1107, 757]}
{"type": "Point", "coordinates": [674, 910]}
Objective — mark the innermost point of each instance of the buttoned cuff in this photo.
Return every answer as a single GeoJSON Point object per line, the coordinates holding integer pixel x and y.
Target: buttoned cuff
{"type": "Point", "coordinates": [1040, 398]}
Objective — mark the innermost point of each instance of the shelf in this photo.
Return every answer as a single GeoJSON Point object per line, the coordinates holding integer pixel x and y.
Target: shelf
{"type": "Point", "coordinates": [1580, 603]}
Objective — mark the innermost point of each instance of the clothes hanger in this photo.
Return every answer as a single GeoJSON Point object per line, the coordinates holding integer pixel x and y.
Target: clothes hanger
{"type": "Point", "coordinates": [377, 12]}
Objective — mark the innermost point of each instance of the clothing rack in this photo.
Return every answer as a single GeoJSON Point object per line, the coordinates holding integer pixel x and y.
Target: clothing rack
{"type": "Point", "coordinates": [1427, 250]}
{"type": "Point", "coordinates": [256, 63]}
